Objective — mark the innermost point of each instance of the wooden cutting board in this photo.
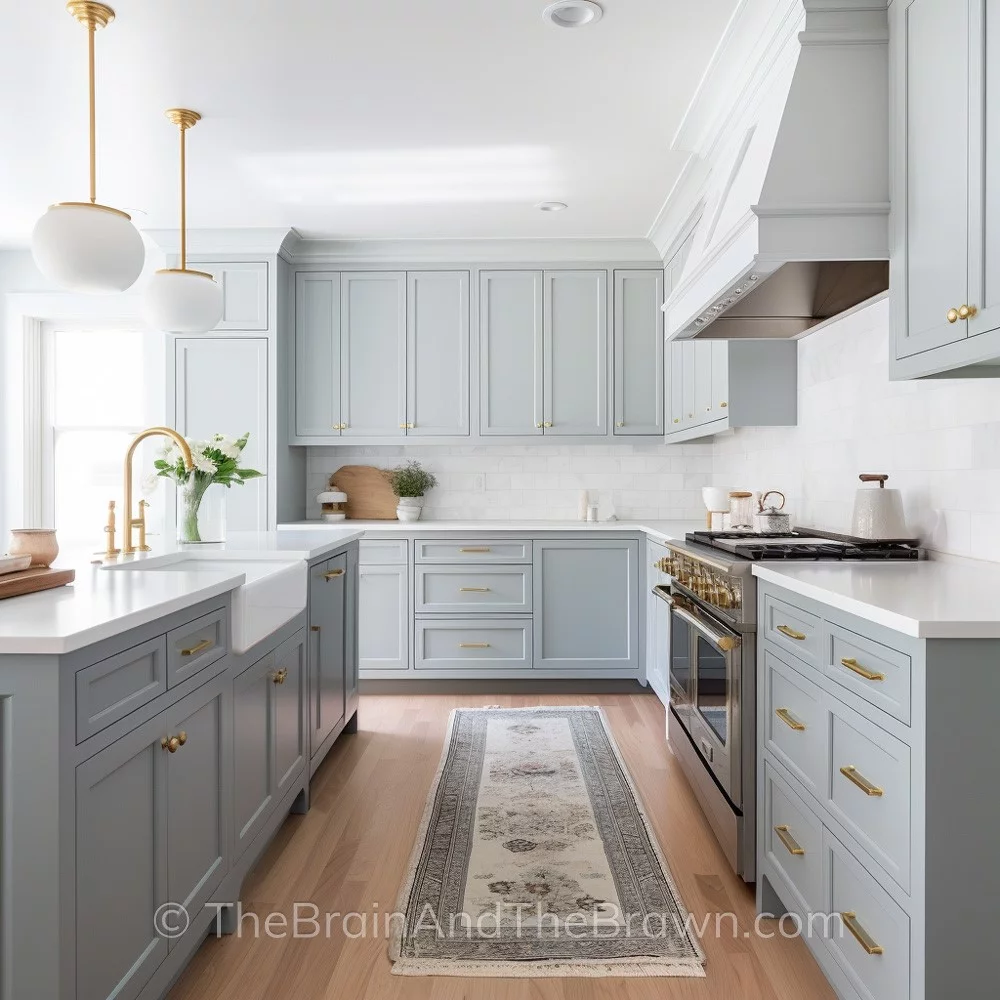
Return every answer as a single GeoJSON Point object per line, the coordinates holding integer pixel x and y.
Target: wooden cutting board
{"type": "Point", "coordinates": [30, 581]}
{"type": "Point", "coordinates": [369, 495]}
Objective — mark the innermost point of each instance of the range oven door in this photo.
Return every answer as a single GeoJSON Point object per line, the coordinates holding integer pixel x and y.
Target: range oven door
{"type": "Point", "coordinates": [678, 654]}
{"type": "Point", "coordinates": [709, 654]}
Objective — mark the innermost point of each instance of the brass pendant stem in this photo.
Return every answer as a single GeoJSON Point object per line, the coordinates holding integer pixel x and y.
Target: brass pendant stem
{"type": "Point", "coordinates": [183, 199]}
{"type": "Point", "coordinates": [91, 31]}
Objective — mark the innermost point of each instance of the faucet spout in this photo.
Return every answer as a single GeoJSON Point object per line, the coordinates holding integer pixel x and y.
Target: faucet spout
{"type": "Point", "coordinates": [132, 522]}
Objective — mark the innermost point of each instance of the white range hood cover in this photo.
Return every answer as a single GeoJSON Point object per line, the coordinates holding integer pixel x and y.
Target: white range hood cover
{"type": "Point", "coordinates": [803, 176]}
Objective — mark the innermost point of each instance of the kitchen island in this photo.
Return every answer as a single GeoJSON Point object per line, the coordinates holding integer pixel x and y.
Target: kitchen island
{"type": "Point", "coordinates": [149, 755]}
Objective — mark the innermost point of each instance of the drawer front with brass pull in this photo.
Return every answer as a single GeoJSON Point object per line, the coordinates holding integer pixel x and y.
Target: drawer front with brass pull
{"type": "Point", "coordinates": [479, 589]}
{"type": "Point", "coordinates": [793, 629]}
{"type": "Point", "coordinates": [796, 728]}
{"type": "Point", "coordinates": [870, 790]}
{"type": "Point", "coordinates": [871, 939]}
{"type": "Point", "coordinates": [875, 672]}
{"type": "Point", "coordinates": [463, 643]}
{"type": "Point", "coordinates": [462, 552]}
{"type": "Point", "coordinates": [793, 841]}
{"type": "Point", "coordinates": [194, 646]}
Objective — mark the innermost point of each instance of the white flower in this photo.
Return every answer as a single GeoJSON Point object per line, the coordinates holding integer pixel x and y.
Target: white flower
{"type": "Point", "coordinates": [218, 437]}
{"type": "Point", "coordinates": [166, 451]}
{"type": "Point", "coordinates": [230, 449]}
{"type": "Point", "coordinates": [149, 484]}
{"type": "Point", "coordinates": [203, 464]}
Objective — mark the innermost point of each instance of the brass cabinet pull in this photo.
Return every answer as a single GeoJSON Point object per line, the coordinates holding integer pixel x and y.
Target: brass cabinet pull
{"type": "Point", "coordinates": [850, 772]}
{"type": "Point", "coordinates": [198, 647]}
{"type": "Point", "coordinates": [473, 590]}
{"type": "Point", "coordinates": [952, 315]}
{"type": "Point", "coordinates": [539, 425]}
{"type": "Point", "coordinates": [620, 423]}
{"type": "Point", "coordinates": [406, 427]}
{"type": "Point", "coordinates": [791, 633]}
{"type": "Point", "coordinates": [871, 946]}
{"type": "Point", "coordinates": [869, 675]}
{"type": "Point", "coordinates": [789, 720]}
{"type": "Point", "coordinates": [473, 645]}
{"type": "Point", "coordinates": [967, 312]}
{"type": "Point", "coordinates": [280, 675]}
{"type": "Point", "coordinates": [677, 420]}
{"type": "Point", "coordinates": [313, 628]}
{"type": "Point", "coordinates": [333, 574]}
{"type": "Point", "coordinates": [791, 844]}
{"type": "Point", "coordinates": [475, 548]}
{"type": "Point", "coordinates": [173, 743]}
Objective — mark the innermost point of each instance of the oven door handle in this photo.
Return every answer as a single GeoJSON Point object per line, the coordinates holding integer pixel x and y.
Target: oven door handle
{"type": "Point", "coordinates": [727, 643]}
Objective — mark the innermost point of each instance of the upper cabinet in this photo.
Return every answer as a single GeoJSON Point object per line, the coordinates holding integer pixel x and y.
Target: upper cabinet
{"type": "Point", "coordinates": [945, 268]}
{"type": "Point", "coordinates": [244, 293]}
{"type": "Point", "coordinates": [638, 340]}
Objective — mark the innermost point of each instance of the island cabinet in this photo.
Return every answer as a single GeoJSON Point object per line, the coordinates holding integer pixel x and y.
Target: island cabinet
{"type": "Point", "coordinates": [876, 818]}
{"type": "Point", "coordinates": [944, 274]}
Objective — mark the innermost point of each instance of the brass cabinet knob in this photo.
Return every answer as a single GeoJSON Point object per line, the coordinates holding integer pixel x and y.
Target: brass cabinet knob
{"type": "Point", "coordinates": [952, 316]}
{"type": "Point", "coordinates": [313, 628]}
{"type": "Point", "coordinates": [620, 423]}
{"type": "Point", "coordinates": [539, 424]}
{"type": "Point", "coordinates": [547, 423]}
{"type": "Point", "coordinates": [171, 743]}
{"type": "Point", "coordinates": [677, 420]}
{"type": "Point", "coordinates": [182, 737]}
{"type": "Point", "coordinates": [403, 427]}
{"type": "Point", "coordinates": [723, 404]}
{"type": "Point", "coordinates": [967, 312]}
{"type": "Point", "coordinates": [280, 675]}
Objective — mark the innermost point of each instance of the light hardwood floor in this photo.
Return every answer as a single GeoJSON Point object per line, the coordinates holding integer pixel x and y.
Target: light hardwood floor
{"type": "Point", "coordinates": [349, 853]}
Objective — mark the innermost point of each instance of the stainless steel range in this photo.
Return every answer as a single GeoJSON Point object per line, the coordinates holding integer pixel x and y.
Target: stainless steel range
{"type": "Point", "coordinates": [712, 603]}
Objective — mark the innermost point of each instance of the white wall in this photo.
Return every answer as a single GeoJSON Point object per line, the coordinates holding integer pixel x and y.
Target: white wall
{"type": "Point", "coordinates": [938, 440]}
{"type": "Point", "coordinates": [508, 482]}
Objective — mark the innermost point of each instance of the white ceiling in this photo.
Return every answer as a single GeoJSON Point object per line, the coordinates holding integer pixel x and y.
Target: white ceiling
{"type": "Point", "coordinates": [395, 118]}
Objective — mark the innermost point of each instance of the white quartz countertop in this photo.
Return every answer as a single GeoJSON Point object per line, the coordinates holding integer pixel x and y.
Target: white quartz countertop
{"type": "Point", "coordinates": [927, 599]}
{"type": "Point", "coordinates": [102, 603]}
{"type": "Point", "coordinates": [657, 530]}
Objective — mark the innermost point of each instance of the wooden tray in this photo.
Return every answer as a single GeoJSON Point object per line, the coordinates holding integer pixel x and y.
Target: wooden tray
{"type": "Point", "coordinates": [30, 581]}
{"type": "Point", "coordinates": [369, 495]}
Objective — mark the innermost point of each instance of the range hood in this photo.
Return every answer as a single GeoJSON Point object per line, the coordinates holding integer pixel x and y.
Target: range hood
{"type": "Point", "coordinates": [794, 222]}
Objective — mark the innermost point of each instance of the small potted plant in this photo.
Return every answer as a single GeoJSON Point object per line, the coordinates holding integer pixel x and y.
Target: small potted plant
{"type": "Point", "coordinates": [410, 482]}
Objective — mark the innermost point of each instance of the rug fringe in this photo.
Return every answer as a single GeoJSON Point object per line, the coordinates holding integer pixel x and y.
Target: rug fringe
{"type": "Point", "coordinates": [541, 969]}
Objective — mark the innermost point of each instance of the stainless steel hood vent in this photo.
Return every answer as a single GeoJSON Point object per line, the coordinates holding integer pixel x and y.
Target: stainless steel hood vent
{"type": "Point", "coordinates": [794, 226]}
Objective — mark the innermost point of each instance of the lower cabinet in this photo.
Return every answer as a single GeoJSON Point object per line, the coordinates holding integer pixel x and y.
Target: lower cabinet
{"type": "Point", "coordinates": [657, 624]}
{"type": "Point", "coordinates": [154, 809]}
{"type": "Point", "coordinates": [384, 617]}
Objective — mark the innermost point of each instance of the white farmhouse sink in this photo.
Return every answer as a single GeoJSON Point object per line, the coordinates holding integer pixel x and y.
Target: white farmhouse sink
{"type": "Point", "coordinates": [274, 592]}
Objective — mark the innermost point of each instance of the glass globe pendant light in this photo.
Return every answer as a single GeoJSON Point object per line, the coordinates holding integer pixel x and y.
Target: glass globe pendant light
{"type": "Point", "coordinates": [179, 300]}
{"type": "Point", "coordinates": [81, 245]}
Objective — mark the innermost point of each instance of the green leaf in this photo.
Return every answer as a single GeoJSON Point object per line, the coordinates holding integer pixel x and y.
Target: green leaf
{"type": "Point", "coordinates": [249, 474]}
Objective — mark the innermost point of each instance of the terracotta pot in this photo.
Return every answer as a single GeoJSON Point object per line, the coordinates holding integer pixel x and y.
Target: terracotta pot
{"type": "Point", "coordinates": [39, 543]}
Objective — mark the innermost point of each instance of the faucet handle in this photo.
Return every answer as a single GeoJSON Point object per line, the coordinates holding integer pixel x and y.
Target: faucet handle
{"type": "Point", "coordinates": [109, 529]}
{"type": "Point", "coordinates": [141, 522]}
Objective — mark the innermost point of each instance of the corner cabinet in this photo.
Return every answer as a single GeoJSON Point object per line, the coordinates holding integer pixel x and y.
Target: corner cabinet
{"type": "Point", "coordinates": [716, 385]}
{"type": "Point", "coordinates": [945, 266]}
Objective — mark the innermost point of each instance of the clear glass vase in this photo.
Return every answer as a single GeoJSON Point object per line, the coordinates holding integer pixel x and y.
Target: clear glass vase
{"type": "Point", "coordinates": [201, 513]}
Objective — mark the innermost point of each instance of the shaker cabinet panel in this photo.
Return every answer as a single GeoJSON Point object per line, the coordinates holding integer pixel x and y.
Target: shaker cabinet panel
{"type": "Point", "coordinates": [244, 293]}
{"type": "Point", "coordinates": [317, 354]}
{"type": "Point", "coordinates": [575, 353]}
{"type": "Point", "coordinates": [510, 348]}
{"type": "Point", "coordinates": [221, 387]}
{"type": "Point", "coordinates": [327, 603]}
{"type": "Point", "coordinates": [288, 691]}
{"type": "Point", "coordinates": [373, 353]}
{"type": "Point", "coordinates": [383, 625]}
{"type": "Point", "coordinates": [638, 341]}
{"type": "Point", "coordinates": [437, 353]}
{"type": "Point", "coordinates": [253, 763]}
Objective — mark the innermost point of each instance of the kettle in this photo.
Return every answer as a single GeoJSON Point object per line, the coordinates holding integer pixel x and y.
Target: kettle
{"type": "Point", "coordinates": [878, 513]}
{"type": "Point", "coordinates": [772, 520]}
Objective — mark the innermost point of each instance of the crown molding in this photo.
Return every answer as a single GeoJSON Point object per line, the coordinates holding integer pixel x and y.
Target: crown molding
{"type": "Point", "coordinates": [221, 241]}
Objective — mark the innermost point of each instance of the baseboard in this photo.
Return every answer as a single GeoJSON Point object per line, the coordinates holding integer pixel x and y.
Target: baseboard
{"type": "Point", "coordinates": [504, 686]}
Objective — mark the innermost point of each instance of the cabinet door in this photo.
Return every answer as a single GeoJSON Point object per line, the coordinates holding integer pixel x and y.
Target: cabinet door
{"type": "Point", "coordinates": [437, 353]}
{"type": "Point", "coordinates": [689, 361]}
{"type": "Point", "coordinates": [198, 826]}
{"type": "Point", "coordinates": [383, 617]}
{"type": "Point", "coordinates": [675, 385]}
{"type": "Point", "coordinates": [253, 763]}
{"type": "Point", "coordinates": [586, 605]}
{"type": "Point", "coordinates": [720, 378]}
{"type": "Point", "coordinates": [317, 354]}
{"type": "Point", "coordinates": [326, 668]}
{"type": "Point", "coordinates": [244, 293]}
{"type": "Point", "coordinates": [638, 339]}
{"type": "Point", "coordinates": [121, 827]}
{"type": "Point", "coordinates": [931, 40]}
{"type": "Point", "coordinates": [575, 353]}
{"type": "Point", "coordinates": [510, 350]}
{"type": "Point", "coordinates": [704, 353]}
{"type": "Point", "coordinates": [373, 354]}
{"type": "Point", "coordinates": [221, 388]}
{"type": "Point", "coordinates": [351, 658]}
{"type": "Point", "coordinates": [288, 692]}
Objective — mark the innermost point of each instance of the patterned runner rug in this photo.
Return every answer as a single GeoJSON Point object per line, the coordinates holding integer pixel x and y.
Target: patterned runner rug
{"type": "Point", "coordinates": [535, 858]}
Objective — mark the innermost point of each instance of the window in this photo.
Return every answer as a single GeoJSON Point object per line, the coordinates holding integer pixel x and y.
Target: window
{"type": "Point", "coordinates": [100, 388]}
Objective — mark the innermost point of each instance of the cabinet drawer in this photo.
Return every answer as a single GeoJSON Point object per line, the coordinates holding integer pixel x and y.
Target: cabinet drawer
{"type": "Point", "coordinates": [383, 551]}
{"type": "Point", "coordinates": [470, 644]}
{"type": "Point", "coordinates": [877, 673]}
{"type": "Point", "coordinates": [793, 842]}
{"type": "Point", "coordinates": [796, 725]}
{"type": "Point", "coordinates": [870, 790]}
{"type": "Point", "coordinates": [459, 589]}
{"type": "Point", "coordinates": [111, 689]}
{"type": "Point", "coordinates": [195, 645]}
{"type": "Point", "coordinates": [871, 941]}
{"type": "Point", "coordinates": [508, 550]}
{"type": "Point", "coordinates": [794, 630]}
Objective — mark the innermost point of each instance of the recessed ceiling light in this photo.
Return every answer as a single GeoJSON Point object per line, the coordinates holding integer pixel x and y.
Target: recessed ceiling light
{"type": "Point", "coordinates": [572, 13]}
{"type": "Point", "coordinates": [551, 206]}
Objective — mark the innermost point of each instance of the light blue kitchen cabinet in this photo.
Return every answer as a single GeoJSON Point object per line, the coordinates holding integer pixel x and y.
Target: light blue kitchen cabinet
{"type": "Point", "coordinates": [221, 387]}
{"type": "Point", "coordinates": [510, 352]}
{"type": "Point", "coordinates": [244, 293]}
{"type": "Point", "coordinates": [586, 597]}
{"type": "Point", "coordinates": [317, 354]}
{"type": "Point", "coordinates": [638, 353]}
{"type": "Point", "coordinates": [352, 666]}
{"type": "Point", "coordinates": [328, 581]}
{"type": "Point", "coordinates": [373, 354]}
{"type": "Point", "coordinates": [945, 293]}
{"type": "Point", "coordinates": [384, 618]}
{"type": "Point", "coordinates": [437, 354]}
